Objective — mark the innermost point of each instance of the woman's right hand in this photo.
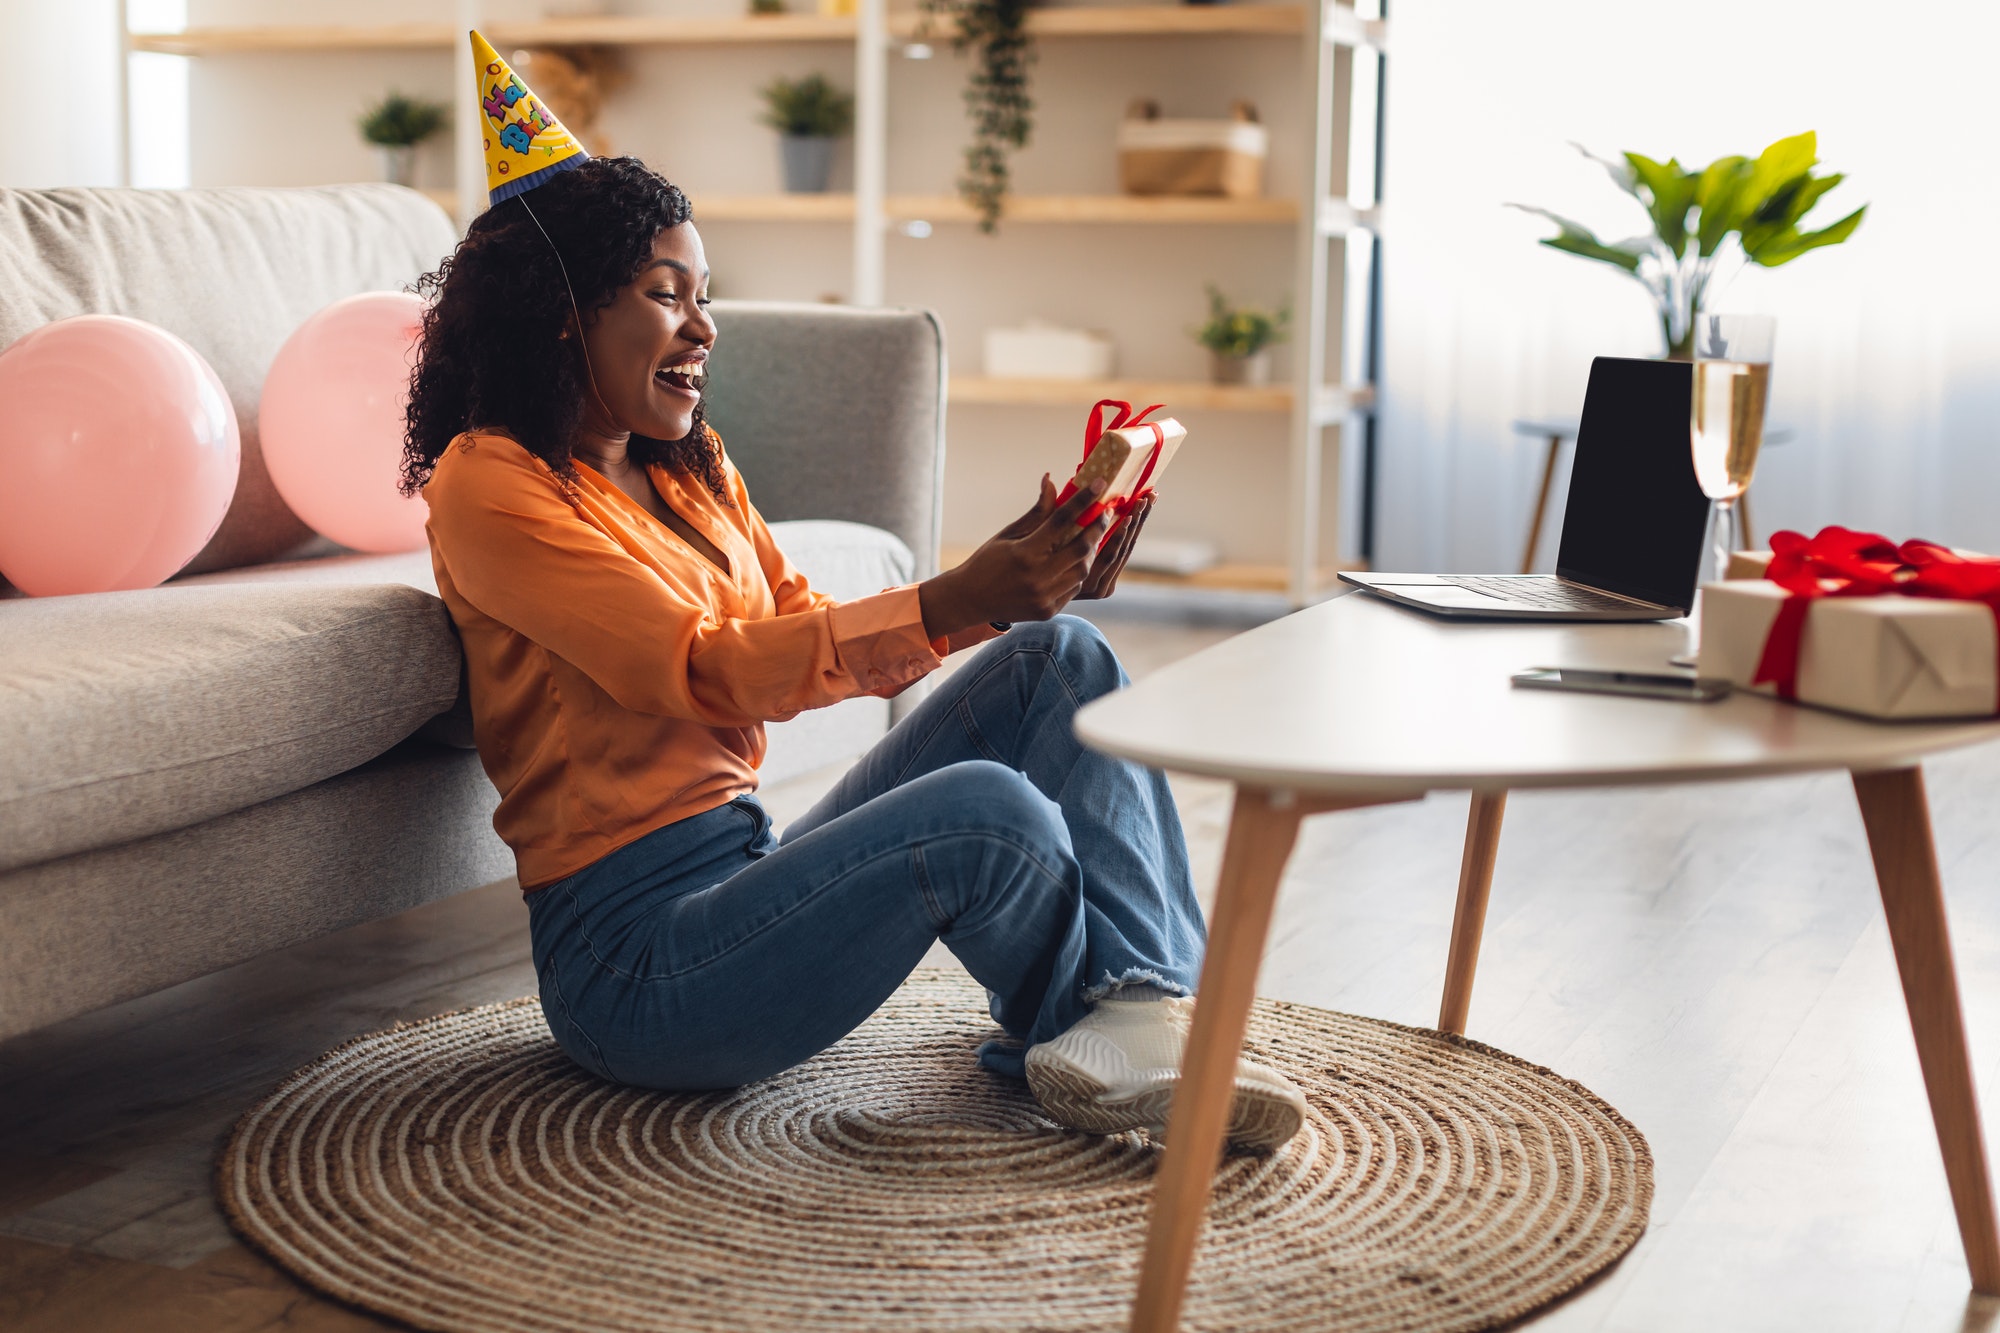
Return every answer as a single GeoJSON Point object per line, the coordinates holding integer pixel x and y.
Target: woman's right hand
{"type": "Point", "coordinates": [1029, 570]}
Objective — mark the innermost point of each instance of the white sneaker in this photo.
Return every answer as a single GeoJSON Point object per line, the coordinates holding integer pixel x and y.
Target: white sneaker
{"type": "Point", "coordinates": [1117, 1068]}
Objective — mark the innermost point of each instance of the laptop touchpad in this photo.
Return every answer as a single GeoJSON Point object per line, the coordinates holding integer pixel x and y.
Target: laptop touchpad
{"type": "Point", "coordinates": [1465, 597]}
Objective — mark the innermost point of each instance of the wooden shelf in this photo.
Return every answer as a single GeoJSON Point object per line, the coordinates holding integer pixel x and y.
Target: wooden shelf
{"type": "Point", "coordinates": [297, 37]}
{"type": "Point", "coordinates": [1272, 20]}
{"type": "Point", "coordinates": [622, 30]}
{"type": "Point", "coordinates": [1058, 208]}
{"type": "Point", "coordinates": [605, 30]}
{"type": "Point", "coordinates": [1159, 20]}
{"type": "Point", "coordinates": [1179, 395]}
{"type": "Point", "coordinates": [1229, 576]}
{"type": "Point", "coordinates": [773, 208]}
{"type": "Point", "coordinates": [1089, 208]}
{"type": "Point", "coordinates": [944, 208]}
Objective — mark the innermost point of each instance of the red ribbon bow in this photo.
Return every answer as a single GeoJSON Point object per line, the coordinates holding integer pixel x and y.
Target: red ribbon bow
{"type": "Point", "coordinates": [1841, 563]}
{"type": "Point", "coordinates": [1093, 431]}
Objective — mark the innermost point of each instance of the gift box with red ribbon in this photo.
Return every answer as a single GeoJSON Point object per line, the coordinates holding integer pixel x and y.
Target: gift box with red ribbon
{"type": "Point", "coordinates": [1852, 621]}
{"type": "Point", "coordinates": [1151, 447]}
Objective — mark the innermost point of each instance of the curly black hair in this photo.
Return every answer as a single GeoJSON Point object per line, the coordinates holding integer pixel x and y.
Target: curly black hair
{"type": "Point", "coordinates": [492, 355]}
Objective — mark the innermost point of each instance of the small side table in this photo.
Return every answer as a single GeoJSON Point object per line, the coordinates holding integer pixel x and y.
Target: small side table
{"type": "Point", "coordinates": [1557, 430]}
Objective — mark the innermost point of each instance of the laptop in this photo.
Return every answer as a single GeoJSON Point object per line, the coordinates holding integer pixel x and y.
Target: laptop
{"type": "Point", "coordinates": [1633, 527]}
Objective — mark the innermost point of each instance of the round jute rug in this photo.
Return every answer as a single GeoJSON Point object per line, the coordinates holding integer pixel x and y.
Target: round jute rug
{"type": "Point", "coordinates": [460, 1173]}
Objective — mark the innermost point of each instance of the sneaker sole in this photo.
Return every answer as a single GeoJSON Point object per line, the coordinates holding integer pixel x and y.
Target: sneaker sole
{"type": "Point", "coordinates": [1259, 1118]}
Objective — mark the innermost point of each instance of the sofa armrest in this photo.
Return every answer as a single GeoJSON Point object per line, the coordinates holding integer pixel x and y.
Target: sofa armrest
{"type": "Point", "coordinates": [835, 412]}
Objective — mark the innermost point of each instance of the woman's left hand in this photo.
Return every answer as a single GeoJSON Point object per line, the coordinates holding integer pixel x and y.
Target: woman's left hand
{"type": "Point", "coordinates": [1104, 570]}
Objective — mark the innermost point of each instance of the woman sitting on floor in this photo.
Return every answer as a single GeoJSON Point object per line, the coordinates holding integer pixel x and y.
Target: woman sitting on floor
{"type": "Point", "coordinates": [630, 625]}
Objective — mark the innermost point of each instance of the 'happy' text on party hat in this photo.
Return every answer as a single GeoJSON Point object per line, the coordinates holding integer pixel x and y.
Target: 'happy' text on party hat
{"type": "Point", "coordinates": [525, 143]}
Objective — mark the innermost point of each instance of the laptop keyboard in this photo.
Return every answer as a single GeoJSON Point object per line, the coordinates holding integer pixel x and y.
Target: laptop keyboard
{"type": "Point", "coordinates": [1551, 594]}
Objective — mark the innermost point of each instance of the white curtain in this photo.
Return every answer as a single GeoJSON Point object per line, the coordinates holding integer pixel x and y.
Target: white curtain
{"type": "Point", "coordinates": [62, 93]}
{"type": "Point", "coordinates": [1888, 353]}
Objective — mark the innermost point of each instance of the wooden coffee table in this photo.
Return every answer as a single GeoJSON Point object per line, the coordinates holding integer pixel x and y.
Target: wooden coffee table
{"type": "Point", "coordinates": [1357, 702]}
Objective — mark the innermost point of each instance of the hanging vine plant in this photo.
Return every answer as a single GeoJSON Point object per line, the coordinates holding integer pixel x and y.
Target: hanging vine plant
{"type": "Point", "coordinates": [996, 97]}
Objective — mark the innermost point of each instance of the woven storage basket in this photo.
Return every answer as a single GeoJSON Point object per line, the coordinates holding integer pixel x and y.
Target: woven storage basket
{"type": "Point", "coordinates": [1200, 157]}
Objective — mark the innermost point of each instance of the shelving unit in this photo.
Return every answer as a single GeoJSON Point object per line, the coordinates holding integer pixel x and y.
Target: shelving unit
{"type": "Point", "coordinates": [1334, 219]}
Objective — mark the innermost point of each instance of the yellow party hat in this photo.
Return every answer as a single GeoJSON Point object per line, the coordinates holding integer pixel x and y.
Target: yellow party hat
{"type": "Point", "coordinates": [525, 143]}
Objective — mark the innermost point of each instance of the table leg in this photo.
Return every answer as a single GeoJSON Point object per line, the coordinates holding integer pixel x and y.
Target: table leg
{"type": "Point", "coordinates": [1897, 818]}
{"type": "Point", "coordinates": [1262, 828]}
{"type": "Point", "coordinates": [1475, 881]}
{"type": "Point", "coordinates": [1541, 505]}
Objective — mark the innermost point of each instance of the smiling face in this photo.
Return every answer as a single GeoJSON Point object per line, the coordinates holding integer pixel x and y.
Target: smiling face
{"type": "Point", "coordinates": [649, 348]}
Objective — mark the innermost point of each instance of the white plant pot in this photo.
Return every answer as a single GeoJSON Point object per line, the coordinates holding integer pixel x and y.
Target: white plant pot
{"type": "Point", "coordinates": [399, 163]}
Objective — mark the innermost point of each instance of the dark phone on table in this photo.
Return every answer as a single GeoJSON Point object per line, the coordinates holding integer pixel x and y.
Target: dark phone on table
{"type": "Point", "coordinates": [1687, 689]}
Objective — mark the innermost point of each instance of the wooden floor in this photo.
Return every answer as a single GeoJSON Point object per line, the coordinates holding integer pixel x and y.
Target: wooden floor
{"type": "Point", "coordinates": [1711, 960]}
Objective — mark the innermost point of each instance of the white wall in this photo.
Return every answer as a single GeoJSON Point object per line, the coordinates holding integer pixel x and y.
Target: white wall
{"type": "Point", "coordinates": [1888, 354]}
{"type": "Point", "coordinates": [62, 93]}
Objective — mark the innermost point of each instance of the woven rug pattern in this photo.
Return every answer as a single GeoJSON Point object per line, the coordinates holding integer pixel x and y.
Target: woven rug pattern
{"type": "Point", "coordinates": [460, 1173]}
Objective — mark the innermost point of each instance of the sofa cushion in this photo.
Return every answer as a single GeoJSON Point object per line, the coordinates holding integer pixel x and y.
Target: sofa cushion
{"type": "Point", "coordinates": [412, 569]}
{"type": "Point", "coordinates": [231, 271]}
{"type": "Point", "coordinates": [131, 713]}
{"type": "Point", "coordinates": [843, 560]}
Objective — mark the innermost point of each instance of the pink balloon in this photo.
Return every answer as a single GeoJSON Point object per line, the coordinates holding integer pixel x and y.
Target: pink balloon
{"type": "Point", "coordinates": [118, 456]}
{"type": "Point", "coordinates": [332, 421]}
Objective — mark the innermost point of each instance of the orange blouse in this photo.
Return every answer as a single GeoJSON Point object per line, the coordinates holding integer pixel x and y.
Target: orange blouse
{"type": "Point", "coordinates": [620, 680]}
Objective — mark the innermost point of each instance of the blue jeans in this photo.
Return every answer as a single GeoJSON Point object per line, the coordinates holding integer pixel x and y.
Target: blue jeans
{"type": "Point", "coordinates": [709, 954]}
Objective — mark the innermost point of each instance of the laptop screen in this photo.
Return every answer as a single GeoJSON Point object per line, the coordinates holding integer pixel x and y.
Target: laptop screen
{"type": "Point", "coordinates": [1636, 516]}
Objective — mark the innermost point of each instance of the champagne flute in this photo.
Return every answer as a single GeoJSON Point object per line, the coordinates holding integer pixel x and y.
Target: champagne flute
{"type": "Point", "coordinates": [1732, 379]}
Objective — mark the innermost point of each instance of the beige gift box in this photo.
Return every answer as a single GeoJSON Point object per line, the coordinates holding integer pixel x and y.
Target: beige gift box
{"type": "Point", "coordinates": [1886, 657]}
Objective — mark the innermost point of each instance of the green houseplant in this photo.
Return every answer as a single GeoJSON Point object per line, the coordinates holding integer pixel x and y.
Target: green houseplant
{"type": "Point", "coordinates": [808, 114]}
{"type": "Point", "coordinates": [996, 97]}
{"type": "Point", "coordinates": [396, 125]}
{"type": "Point", "coordinates": [1760, 202]}
{"type": "Point", "coordinates": [1239, 339]}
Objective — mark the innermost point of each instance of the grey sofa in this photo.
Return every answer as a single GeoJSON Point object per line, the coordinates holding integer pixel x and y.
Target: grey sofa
{"type": "Point", "coordinates": [273, 744]}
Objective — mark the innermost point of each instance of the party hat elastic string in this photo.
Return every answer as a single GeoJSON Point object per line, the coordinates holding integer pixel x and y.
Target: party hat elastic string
{"type": "Point", "coordinates": [589, 370]}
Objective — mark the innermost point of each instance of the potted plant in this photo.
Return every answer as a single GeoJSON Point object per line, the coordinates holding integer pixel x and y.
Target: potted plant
{"type": "Point", "coordinates": [1694, 213]}
{"type": "Point", "coordinates": [996, 97]}
{"type": "Point", "coordinates": [396, 125]}
{"type": "Point", "coordinates": [808, 114]}
{"type": "Point", "coordinates": [1239, 340]}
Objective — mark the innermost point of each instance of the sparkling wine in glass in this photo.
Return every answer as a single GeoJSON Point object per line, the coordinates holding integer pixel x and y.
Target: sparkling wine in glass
{"type": "Point", "coordinates": [1732, 379]}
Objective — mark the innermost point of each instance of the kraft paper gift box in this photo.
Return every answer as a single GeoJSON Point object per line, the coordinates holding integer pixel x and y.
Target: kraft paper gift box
{"type": "Point", "coordinates": [1883, 657]}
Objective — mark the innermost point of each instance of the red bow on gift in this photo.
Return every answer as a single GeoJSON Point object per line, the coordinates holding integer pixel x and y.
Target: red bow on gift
{"type": "Point", "coordinates": [1093, 431]}
{"type": "Point", "coordinates": [1840, 563]}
